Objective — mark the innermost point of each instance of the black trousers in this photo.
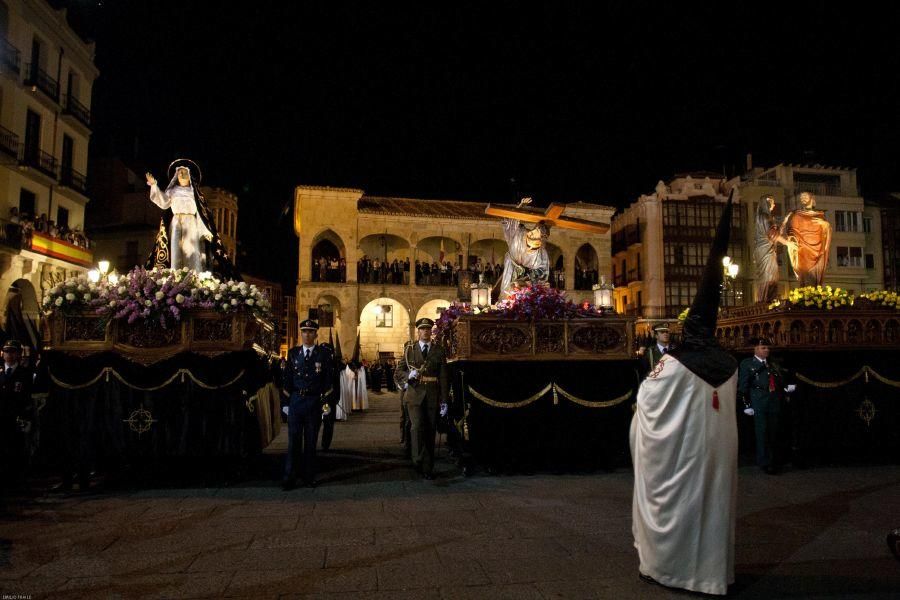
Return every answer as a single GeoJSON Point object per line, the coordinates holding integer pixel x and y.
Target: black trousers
{"type": "Point", "coordinates": [303, 432]}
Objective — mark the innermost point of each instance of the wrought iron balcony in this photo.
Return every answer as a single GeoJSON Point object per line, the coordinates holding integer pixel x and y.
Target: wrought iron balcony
{"type": "Point", "coordinates": [40, 160]}
{"type": "Point", "coordinates": [9, 143]}
{"type": "Point", "coordinates": [78, 110]}
{"type": "Point", "coordinates": [9, 57]}
{"type": "Point", "coordinates": [627, 236]}
{"type": "Point", "coordinates": [73, 179]}
{"type": "Point", "coordinates": [40, 79]}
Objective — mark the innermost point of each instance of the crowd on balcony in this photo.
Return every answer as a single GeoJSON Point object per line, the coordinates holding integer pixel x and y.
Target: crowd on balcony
{"type": "Point", "coordinates": [369, 270]}
{"type": "Point", "coordinates": [586, 278]}
{"type": "Point", "coordinates": [329, 268]}
{"type": "Point", "coordinates": [20, 229]}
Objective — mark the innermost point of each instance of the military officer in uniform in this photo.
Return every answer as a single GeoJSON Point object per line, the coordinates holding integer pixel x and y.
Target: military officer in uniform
{"type": "Point", "coordinates": [423, 369]}
{"type": "Point", "coordinates": [308, 380]}
{"type": "Point", "coordinates": [16, 415]}
{"type": "Point", "coordinates": [652, 353]}
{"type": "Point", "coordinates": [761, 385]}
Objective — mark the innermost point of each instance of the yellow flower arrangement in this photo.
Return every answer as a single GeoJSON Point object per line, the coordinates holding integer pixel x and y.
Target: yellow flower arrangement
{"type": "Point", "coordinates": [815, 296]}
{"type": "Point", "coordinates": [883, 297]}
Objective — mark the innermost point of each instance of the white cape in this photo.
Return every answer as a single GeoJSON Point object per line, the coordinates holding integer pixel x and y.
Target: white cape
{"type": "Point", "coordinates": [361, 402]}
{"type": "Point", "coordinates": [685, 479]}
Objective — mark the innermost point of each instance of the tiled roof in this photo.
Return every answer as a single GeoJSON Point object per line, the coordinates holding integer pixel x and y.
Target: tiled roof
{"type": "Point", "coordinates": [448, 209]}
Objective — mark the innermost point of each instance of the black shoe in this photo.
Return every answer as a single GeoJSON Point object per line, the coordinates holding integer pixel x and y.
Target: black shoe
{"type": "Point", "coordinates": [288, 484]}
{"type": "Point", "coordinates": [429, 476]}
{"type": "Point", "coordinates": [647, 578]}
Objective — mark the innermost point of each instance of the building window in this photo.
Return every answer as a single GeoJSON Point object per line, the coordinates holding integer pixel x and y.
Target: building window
{"type": "Point", "coordinates": [870, 261]}
{"type": "Point", "coordinates": [62, 217]}
{"type": "Point", "coordinates": [26, 203]}
{"type": "Point", "coordinates": [640, 302]}
{"type": "Point", "coordinates": [849, 256]}
{"type": "Point", "coordinates": [845, 220]}
{"type": "Point", "coordinates": [385, 317]}
{"type": "Point", "coordinates": [867, 224]}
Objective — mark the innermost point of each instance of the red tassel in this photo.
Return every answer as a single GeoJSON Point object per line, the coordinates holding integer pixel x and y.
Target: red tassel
{"type": "Point", "coordinates": [715, 399]}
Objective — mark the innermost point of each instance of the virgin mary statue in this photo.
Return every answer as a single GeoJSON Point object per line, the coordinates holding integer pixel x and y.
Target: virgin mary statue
{"type": "Point", "coordinates": [193, 240]}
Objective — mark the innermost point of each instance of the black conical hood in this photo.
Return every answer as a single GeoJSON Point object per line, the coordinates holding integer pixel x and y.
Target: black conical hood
{"type": "Point", "coordinates": [699, 351]}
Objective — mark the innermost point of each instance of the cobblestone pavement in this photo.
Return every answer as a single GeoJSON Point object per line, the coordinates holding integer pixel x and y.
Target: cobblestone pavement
{"type": "Point", "coordinates": [372, 529]}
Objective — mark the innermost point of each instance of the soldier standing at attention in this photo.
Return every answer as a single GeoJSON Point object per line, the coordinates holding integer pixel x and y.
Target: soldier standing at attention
{"type": "Point", "coordinates": [308, 380]}
{"type": "Point", "coordinates": [424, 369]}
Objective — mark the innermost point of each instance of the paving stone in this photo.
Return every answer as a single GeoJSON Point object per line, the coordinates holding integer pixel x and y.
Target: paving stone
{"type": "Point", "coordinates": [494, 592]}
{"type": "Point", "coordinates": [410, 575]}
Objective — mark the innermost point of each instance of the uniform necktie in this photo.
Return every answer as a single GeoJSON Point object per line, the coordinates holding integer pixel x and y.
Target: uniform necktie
{"type": "Point", "coordinates": [307, 354]}
{"type": "Point", "coordinates": [665, 350]}
{"type": "Point", "coordinates": [425, 351]}
{"type": "Point", "coordinates": [8, 371]}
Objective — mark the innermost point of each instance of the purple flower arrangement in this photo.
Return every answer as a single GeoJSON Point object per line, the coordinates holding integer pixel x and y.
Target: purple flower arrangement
{"type": "Point", "coordinates": [155, 296]}
{"type": "Point", "coordinates": [528, 303]}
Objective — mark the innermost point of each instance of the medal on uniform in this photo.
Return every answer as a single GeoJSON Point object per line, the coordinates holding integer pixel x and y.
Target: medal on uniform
{"type": "Point", "coordinates": [318, 367]}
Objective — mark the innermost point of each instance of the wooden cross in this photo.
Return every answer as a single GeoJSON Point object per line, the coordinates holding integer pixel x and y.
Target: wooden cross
{"type": "Point", "coordinates": [551, 216]}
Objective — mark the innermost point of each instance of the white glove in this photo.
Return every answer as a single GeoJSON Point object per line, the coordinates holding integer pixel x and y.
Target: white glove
{"type": "Point", "coordinates": [286, 410]}
{"type": "Point", "coordinates": [443, 409]}
{"type": "Point", "coordinates": [749, 412]}
{"type": "Point", "coordinates": [414, 374]}
{"type": "Point", "coordinates": [790, 388]}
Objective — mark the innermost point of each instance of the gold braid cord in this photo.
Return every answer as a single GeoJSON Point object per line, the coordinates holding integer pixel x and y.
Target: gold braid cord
{"type": "Point", "coordinates": [179, 373]}
{"type": "Point", "coordinates": [519, 404]}
{"type": "Point", "coordinates": [866, 370]}
{"type": "Point", "coordinates": [161, 257]}
{"type": "Point", "coordinates": [594, 403]}
{"type": "Point", "coordinates": [554, 388]}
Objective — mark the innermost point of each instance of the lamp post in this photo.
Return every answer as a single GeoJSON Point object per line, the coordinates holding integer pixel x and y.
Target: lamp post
{"type": "Point", "coordinates": [730, 271]}
{"type": "Point", "coordinates": [102, 273]}
{"type": "Point", "coordinates": [603, 295]}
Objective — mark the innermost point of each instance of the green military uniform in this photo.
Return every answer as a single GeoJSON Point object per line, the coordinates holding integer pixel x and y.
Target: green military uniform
{"type": "Point", "coordinates": [653, 353]}
{"type": "Point", "coordinates": [424, 369]}
{"type": "Point", "coordinates": [762, 386]}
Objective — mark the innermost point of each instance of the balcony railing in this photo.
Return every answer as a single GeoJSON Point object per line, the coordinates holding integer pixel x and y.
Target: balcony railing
{"type": "Point", "coordinates": [681, 272]}
{"type": "Point", "coordinates": [78, 110]}
{"type": "Point", "coordinates": [73, 179]}
{"type": "Point", "coordinates": [40, 160]}
{"type": "Point", "coordinates": [686, 233]}
{"type": "Point", "coordinates": [619, 280]}
{"type": "Point", "coordinates": [633, 275]}
{"type": "Point", "coordinates": [9, 143]}
{"type": "Point", "coordinates": [823, 189]}
{"type": "Point", "coordinates": [622, 239]}
{"type": "Point", "coordinates": [9, 57]}
{"type": "Point", "coordinates": [39, 78]}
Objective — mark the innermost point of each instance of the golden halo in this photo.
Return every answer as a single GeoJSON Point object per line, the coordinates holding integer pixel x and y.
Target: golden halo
{"type": "Point", "coordinates": [179, 162]}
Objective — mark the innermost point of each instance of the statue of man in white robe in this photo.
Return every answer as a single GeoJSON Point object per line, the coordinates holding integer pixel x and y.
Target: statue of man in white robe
{"type": "Point", "coordinates": [527, 260]}
{"type": "Point", "coordinates": [187, 230]}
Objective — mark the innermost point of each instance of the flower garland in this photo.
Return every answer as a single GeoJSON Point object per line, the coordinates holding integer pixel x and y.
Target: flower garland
{"type": "Point", "coordinates": [155, 295]}
{"type": "Point", "coordinates": [883, 297]}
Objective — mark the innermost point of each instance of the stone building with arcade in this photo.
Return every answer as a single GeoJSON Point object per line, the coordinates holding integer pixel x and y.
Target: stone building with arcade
{"type": "Point", "coordinates": [343, 232]}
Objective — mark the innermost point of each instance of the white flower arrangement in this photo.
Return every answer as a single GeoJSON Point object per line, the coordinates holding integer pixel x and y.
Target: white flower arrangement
{"type": "Point", "coordinates": [158, 294]}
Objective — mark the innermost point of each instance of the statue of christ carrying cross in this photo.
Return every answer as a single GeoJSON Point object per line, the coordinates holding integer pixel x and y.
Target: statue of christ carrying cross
{"type": "Point", "coordinates": [527, 260]}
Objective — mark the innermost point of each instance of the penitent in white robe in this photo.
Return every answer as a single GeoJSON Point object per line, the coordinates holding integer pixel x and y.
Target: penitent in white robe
{"type": "Point", "coordinates": [685, 479]}
{"type": "Point", "coordinates": [362, 394]}
{"type": "Point", "coordinates": [342, 410]}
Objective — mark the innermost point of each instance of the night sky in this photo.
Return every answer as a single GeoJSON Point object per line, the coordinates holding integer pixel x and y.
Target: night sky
{"type": "Point", "coordinates": [582, 103]}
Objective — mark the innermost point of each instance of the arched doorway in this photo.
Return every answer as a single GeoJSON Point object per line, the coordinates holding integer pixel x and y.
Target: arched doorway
{"type": "Point", "coordinates": [382, 259]}
{"type": "Point", "coordinates": [587, 267]}
{"type": "Point", "coordinates": [383, 329]}
{"type": "Point", "coordinates": [557, 266]}
{"type": "Point", "coordinates": [328, 311]}
{"type": "Point", "coordinates": [328, 258]}
{"type": "Point", "coordinates": [432, 309]}
{"type": "Point", "coordinates": [23, 313]}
